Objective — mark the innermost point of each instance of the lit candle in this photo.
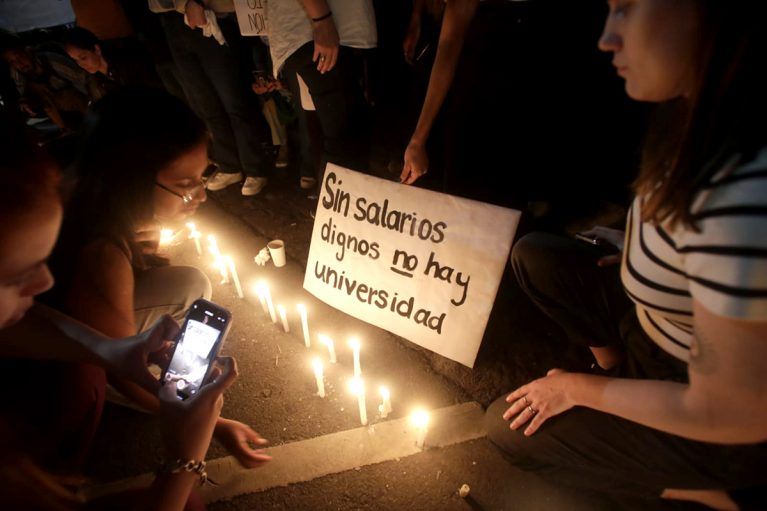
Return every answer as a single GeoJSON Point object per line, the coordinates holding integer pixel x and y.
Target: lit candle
{"type": "Point", "coordinates": [166, 237]}
{"type": "Point", "coordinates": [357, 386]}
{"type": "Point", "coordinates": [235, 277]}
{"type": "Point", "coordinates": [327, 341]}
{"type": "Point", "coordinates": [385, 407]}
{"type": "Point", "coordinates": [304, 324]}
{"type": "Point", "coordinates": [269, 303]}
{"type": "Point", "coordinates": [262, 296]}
{"type": "Point", "coordinates": [195, 235]}
{"type": "Point", "coordinates": [355, 345]}
{"type": "Point", "coordinates": [219, 263]}
{"type": "Point", "coordinates": [318, 376]}
{"type": "Point", "coordinates": [420, 419]}
{"type": "Point", "coordinates": [283, 317]}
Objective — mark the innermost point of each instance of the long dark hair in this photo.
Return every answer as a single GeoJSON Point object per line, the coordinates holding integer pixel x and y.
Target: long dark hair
{"type": "Point", "coordinates": [725, 116]}
{"type": "Point", "coordinates": [129, 137]}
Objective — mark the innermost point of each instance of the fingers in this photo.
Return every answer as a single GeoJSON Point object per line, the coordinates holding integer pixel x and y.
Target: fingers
{"type": "Point", "coordinates": [517, 394]}
{"type": "Point", "coordinates": [228, 373]}
{"type": "Point", "coordinates": [167, 393]}
{"type": "Point", "coordinates": [524, 416]}
{"type": "Point", "coordinates": [405, 174]}
{"type": "Point", "coordinates": [317, 53]}
{"type": "Point", "coordinates": [255, 437]}
{"type": "Point", "coordinates": [538, 419]}
{"type": "Point", "coordinates": [166, 329]}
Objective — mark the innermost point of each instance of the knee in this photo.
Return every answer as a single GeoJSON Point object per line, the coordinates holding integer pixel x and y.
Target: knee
{"type": "Point", "coordinates": [535, 256]}
{"type": "Point", "coordinates": [498, 431]}
{"type": "Point", "coordinates": [196, 285]}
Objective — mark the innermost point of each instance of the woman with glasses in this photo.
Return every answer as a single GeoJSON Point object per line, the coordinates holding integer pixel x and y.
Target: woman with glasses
{"type": "Point", "coordinates": [141, 163]}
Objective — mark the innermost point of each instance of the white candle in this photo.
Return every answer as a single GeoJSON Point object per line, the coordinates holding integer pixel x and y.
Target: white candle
{"type": "Point", "coordinates": [385, 407]}
{"type": "Point", "coordinates": [304, 324]}
{"type": "Point", "coordinates": [195, 235]}
{"type": "Point", "coordinates": [269, 303]}
{"type": "Point", "coordinates": [357, 387]}
{"type": "Point", "coordinates": [166, 237]}
{"type": "Point", "coordinates": [262, 296]}
{"type": "Point", "coordinates": [283, 317]}
{"type": "Point", "coordinates": [327, 341]}
{"type": "Point", "coordinates": [235, 277]}
{"type": "Point", "coordinates": [218, 260]}
{"type": "Point", "coordinates": [355, 346]}
{"type": "Point", "coordinates": [420, 420]}
{"type": "Point", "coordinates": [318, 376]}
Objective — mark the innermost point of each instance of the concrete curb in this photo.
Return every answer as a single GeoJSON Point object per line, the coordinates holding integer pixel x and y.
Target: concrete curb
{"type": "Point", "coordinates": [305, 460]}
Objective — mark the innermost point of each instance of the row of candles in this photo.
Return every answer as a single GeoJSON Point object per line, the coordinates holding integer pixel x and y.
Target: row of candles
{"type": "Point", "coordinates": [228, 271]}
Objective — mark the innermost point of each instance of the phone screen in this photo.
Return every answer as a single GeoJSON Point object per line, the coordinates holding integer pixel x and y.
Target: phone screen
{"type": "Point", "coordinates": [197, 346]}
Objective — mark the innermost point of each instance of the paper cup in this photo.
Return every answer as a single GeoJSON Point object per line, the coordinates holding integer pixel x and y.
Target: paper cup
{"type": "Point", "coordinates": [277, 251]}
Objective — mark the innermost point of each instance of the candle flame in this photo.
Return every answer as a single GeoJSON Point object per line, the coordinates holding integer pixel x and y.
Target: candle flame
{"type": "Point", "coordinates": [354, 343]}
{"type": "Point", "coordinates": [317, 365]}
{"type": "Point", "coordinates": [324, 339]}
{"type": "Point", "coordinates": [281, 309]}
{"type": "Point", "coordinates": [384, 392]}
{"type": "Point", "coordinates": [420, 418]}
{"type": "Point", "coordinates": [301, 308]}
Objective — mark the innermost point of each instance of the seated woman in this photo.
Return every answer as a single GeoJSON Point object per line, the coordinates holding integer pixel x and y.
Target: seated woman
{"type": "Point", "coordinates": [683, 413]}
{"type": "Point", "coordinates": [31, 208]}
{"type": "Point", "coordinates": [141, 162]}
{"type": "Point", "coordinates": [109, 69]}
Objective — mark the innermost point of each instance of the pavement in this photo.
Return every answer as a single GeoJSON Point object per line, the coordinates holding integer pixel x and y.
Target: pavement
{"type": "Point", "coordinates": [324, 459]}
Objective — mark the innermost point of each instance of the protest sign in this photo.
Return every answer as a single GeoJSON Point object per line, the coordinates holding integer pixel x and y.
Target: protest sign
{"type": "Point", "coordinates": [421, 264]}
{"type": "Point", "coordinates": [251, 16]}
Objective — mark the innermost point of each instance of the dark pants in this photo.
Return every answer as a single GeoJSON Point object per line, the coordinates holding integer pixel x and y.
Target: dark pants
{"type": "Point", "coordinates": [215, 82]}
{"type": "Point", "coordinates": [341, 108]}
{"type": "Point", "coordinates": [309, 133]}
{"type": "Point", "coordinates": [595, 450]}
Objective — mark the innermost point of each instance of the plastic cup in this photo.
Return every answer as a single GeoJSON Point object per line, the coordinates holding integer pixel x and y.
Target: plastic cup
{"type": "Point", "coordinates": [277, 251]}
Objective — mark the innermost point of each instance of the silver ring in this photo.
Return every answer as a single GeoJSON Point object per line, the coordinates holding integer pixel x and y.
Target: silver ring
{"type": "Point", "coordinates": [322, 57]}
{"type": "Point", "coordinates": [532, 410]}
{"type": "Point", "coordinates": [526, 401]}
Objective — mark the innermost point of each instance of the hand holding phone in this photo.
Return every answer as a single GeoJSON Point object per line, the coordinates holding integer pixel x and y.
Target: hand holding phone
{"type": "Point", "coordinates": [197, 346]}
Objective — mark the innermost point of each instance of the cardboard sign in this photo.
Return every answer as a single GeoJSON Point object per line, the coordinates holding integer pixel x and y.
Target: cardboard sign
{"type": "Point", "coordinates": [423, 265]}
{"type": "Point", "coordinates": [251, 16]}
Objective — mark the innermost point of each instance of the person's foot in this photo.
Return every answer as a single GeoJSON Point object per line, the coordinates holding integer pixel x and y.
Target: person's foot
{"type": "Point", "coordinates": [222, 180]}
{"type": "Point", "coordinates": [307, 183]}
{"type": "Point", "coordinates": [253, 185]}
{"type": "Point", "coordinates": [283, 157]}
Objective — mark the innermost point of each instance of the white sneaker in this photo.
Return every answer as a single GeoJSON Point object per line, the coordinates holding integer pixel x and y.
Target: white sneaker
{"type": "Point", "coordinates": [222, 180]}
{"type": "Point", "coordinates": [253, 185]}
{"type": "Point", "coordinates": [307, 183]}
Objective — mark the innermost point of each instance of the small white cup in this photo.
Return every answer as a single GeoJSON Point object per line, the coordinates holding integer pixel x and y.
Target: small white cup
{"type": "Point", "coordinates": [277, 251]}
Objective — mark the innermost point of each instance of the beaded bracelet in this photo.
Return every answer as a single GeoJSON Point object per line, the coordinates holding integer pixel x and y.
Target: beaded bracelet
{"type": "Point", "coordinates": [323, 17]}
{"type": "Point", "coordinates": [178, 466]}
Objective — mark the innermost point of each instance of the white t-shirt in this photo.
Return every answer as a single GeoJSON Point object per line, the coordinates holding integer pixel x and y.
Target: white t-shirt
{"type": "Point", "coordinates": [290, 26]}
{"type": "Point", "coordinates": [723, 266]}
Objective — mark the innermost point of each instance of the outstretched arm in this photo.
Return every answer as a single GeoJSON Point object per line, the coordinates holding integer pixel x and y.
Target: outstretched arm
{"type": "Point", "coordinates": [455, 23]}
{"type": "Point", "coordinates": [725, 401]}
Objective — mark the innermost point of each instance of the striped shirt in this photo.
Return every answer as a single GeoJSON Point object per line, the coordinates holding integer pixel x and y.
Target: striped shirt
{"type": "Point", "coordinates": [723, 266]}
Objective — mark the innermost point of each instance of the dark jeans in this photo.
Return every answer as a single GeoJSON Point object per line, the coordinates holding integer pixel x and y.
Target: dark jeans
{"type": "Point", "coordinates": [340, 106]}
{"type": "Point", "coordinates": [215, 82]}
{"type": "Point", "coordinates": [595, 450]}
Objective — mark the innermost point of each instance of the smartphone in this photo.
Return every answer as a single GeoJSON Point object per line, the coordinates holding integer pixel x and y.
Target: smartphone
{"type": "Point", "coordinates": [197, 346]}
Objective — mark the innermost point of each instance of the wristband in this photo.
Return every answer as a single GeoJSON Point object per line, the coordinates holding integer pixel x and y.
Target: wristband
{"type": "Point", "coordinates": [323, 17]}
{"type": "Point", "coordinates": [178, 466]}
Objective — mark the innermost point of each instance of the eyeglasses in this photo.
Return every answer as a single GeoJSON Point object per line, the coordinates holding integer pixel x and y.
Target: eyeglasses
{"type": "Point", "coordinates": [189, 195]}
